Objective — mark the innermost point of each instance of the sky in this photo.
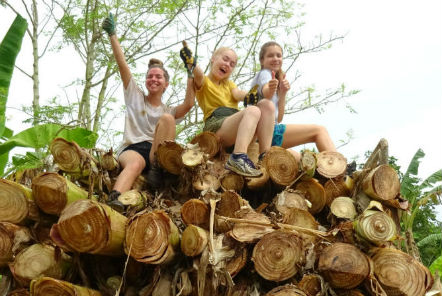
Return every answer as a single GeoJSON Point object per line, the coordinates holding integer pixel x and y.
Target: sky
{"type": "Point", "coordinates": [392, 53]}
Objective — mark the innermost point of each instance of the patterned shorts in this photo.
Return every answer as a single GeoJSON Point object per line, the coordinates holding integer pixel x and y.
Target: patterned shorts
{"type": "Point", "coordinates": [278, 134]}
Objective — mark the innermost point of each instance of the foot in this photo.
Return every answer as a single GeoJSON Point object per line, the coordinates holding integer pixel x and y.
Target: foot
{"type": "Point", "coordinates": [155, 177]}
{"type": "Point", "coordinates": [242, 165]}
{"type": "Point", "coordinates": [114, 203]}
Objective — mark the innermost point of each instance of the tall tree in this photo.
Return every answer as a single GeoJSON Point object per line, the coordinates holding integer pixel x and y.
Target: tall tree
{"type": "Point", "coordinates": [41, 32]}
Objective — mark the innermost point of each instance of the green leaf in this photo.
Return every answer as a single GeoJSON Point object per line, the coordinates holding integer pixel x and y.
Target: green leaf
{"type": "Point", "coordinates": [408, 181]}
{"type": "Point", "coordinates": [41, 135]}
{"type": "Point", "coordinates": [9, 49]}
{"type": "Point", "coordinates": [436, 265]}
{"type": "Point", "coordinates": [431, 180]}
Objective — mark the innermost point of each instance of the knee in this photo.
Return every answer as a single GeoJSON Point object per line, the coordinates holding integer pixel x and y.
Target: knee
{"type": "Point", "coordinates": [267, 107]}
{"type": "Point", "coordinates": [321, 130]}
{"type": "Point", "coordinates": [252, 112]}
{"type": "Point", "coordinates": [136, 166]}
{"type": "Point", "coordinates": [167, 119]}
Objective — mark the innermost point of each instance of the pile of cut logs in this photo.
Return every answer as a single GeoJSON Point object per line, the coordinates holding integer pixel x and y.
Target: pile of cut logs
{"type": "Point", "coordinates": [303, 228]}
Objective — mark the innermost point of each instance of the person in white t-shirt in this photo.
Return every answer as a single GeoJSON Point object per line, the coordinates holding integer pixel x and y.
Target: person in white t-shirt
{"type": "Point", "coordinates": [148, 122]}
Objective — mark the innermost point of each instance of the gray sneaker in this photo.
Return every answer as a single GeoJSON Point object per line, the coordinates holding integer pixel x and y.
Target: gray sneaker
{"type": "Point", "coordinates": [242, 165]}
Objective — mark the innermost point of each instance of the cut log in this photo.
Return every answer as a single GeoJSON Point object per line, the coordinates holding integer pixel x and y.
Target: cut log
{"type": "Point", "coordinates": [250, 232]}
{"type": "Point", "coordinates": [16, 202]}
{"type": "Point", "coordinates": [151, 237]}
{"type": "Point", "coordinates": [286, 290]}
{"type": "Point", "coordinates": [375, 226]}
{"type": "Point", "coordinates": [337, 187]}
{"type": "Point", "coordinates": [109, 162]}
{"type": "Point", "coordinates": [19, 292]}
{"type": "Point", "coordinates": [308, 163]}
{"type": "Point", "coordinates": [39, 260]}
{"type": "Point", "coordinates": [169, 157]}
{"type": "Point", "coordinates": [259, 182]}
{"type": "Point", "coordinates": [192, 157]}
{"type": "Point", "coordinates": [208, 143]}
{"type": "Point", "coordinates": [331, 164]}
{"type": "Point", "coordinates": [13, 239]}
{"type": "Point", "coordinates": [278, 255]}
{"type": "Point", "coordinates": [300, 218]}
{"type": "Point", "coordinates": [237, 262]}
{"type": "Point", "coordinates": [47, 286]}
{"type": "Point", "coordinates": [87, 226]}
{"type": "Point", "coordinates": [206, 182]}
{"type": "Point", "coordinates": [290, 199]}
{"type": "Point", "coordinates": [343, 207]}
{"type": "Point", "coordinates": [196, 212]}
{"type": "Point", "coordinates": [253, 152]}
{"type": "Point", "coordinates": [193, 240]}
{"type": "Point", "coordinates": [343, 265]}
{"type": "Point", "coordinates": [229, 203]}
{"type": "Point", "coordinates": [314, 193]}
{"type": "Point", "coordinates": [232, 181]}
{"type": "Point", "coordinates": [382, 183]}
{"type": "Point", "coordinates": [399, 273]}
{"type": "Point", "coordinates": [52, 192]}
{"type": "Point", "coordinates": [281, 166]}
{"type": "Point", "coordinates": [135, 199]}
{"type": "Point", "coordinates": [71, 158]}
{"type": "Point", "coordinates": [311, 284]}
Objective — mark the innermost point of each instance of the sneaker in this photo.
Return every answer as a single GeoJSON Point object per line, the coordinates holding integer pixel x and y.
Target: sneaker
{"type": "Point", "coordinates": [351, 168]}
{"type": "Point", "coordinates": [114, 203]}
{"type": "Point", "coordinates": [155, 177]}
{"type": "Point", "coordinates": [242, 165]}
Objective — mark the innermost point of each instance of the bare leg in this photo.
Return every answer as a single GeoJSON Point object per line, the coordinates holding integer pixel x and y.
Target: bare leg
{"type": "Point", "coordinates": [266, 125]}
{"type": "Point", "coordinates": [164, 131]}
{"type": "Point", "coordinates": [297, 134]}
{"type": "Point", "coordinates": [239, 129]}
{"type": "Point", "coordinates": [133, 164]}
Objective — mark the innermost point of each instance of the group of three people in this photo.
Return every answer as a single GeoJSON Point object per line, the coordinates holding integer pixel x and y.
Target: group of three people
{"type": "Point", "coordinates": [149, 122]}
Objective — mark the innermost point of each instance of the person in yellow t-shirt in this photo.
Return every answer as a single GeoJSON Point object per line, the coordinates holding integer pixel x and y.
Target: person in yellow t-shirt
{"type": "Point", "coordinates": [218, 98]}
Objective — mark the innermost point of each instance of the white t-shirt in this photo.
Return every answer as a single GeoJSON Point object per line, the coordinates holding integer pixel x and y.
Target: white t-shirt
{"type": "Point", "coordinates": [141, 117]}
{"type": "Point", "coordinates": [263, 77]}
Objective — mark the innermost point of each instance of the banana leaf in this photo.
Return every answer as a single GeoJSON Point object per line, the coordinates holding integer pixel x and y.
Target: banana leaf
{"type": "Point", "coordinates": [9, 49]}
{"type": "Point", "coordinates": [40, 136]}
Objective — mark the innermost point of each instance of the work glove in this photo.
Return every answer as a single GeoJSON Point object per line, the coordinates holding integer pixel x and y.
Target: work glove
{"type": "Point", "coordinates": [188, 59]}
{"type": "Point", "coordinates": [252, 96]}
{"type": "Point", "coordinates": [109, 25]}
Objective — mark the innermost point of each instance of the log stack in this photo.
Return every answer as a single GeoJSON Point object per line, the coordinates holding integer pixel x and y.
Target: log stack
{"type": "Point", "coordinates": [303, 228]}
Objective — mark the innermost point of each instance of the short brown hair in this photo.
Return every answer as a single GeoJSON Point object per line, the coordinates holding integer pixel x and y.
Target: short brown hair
{"type": "Point", "coordinates": [156, 63]}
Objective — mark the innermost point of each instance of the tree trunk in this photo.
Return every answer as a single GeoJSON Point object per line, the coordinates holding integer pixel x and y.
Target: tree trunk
{"type": "Point", "coordinates": [47, 286]}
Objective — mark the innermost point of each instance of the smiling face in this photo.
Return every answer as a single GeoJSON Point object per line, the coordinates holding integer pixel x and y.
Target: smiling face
{"type": "Point", "coordinates": [272, 58]}
{"type": "Point", "coordinates": [223, 62]}
{"type": "Point", "coordinates": [155, 81]}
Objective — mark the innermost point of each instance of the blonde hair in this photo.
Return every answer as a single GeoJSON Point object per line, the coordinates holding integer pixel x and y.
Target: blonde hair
{"type": "Point", "coordinates": [218, 52]}
{"type": "Point", "coordinates": [262, 53]}
{"type": "Point", "coordinates": [156, 63]}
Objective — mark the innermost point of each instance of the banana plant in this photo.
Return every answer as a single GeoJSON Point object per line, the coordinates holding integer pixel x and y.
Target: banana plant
{"type": "Point", "coordinates": [9, 49]}
{"type": "Point", "coordinates": [419, 194]}
{"type": "Point", "coordinates": [35, 137]}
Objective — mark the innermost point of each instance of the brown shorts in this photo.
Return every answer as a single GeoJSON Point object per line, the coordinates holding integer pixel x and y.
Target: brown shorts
{"type": "Point", "coordinates": [214, 122]}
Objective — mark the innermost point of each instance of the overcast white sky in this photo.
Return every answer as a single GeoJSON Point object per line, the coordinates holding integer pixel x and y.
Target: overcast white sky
{"type": "Point", "coordinates": [392, 52]}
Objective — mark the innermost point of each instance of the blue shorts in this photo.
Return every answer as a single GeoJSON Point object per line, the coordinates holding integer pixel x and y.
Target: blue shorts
{"type": "Point", "coordinates": [142, 148]}
{"type": "Point", "coordinates": [278, 134]}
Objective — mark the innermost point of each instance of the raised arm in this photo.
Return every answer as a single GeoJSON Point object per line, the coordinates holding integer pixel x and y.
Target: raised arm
{"type": "Point", "coordinates": [189, 100]}
{"type": "Point", "coordinates": [109, 27]}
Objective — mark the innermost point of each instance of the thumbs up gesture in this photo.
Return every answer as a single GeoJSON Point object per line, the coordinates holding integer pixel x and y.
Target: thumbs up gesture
{"type": "Point", "coordinates": [273, 83]}
{"type": "Point", "coordinates": [284, 86]}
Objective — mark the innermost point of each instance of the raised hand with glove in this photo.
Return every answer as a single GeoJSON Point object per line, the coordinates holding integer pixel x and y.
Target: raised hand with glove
{"type": "Point", "coordinates": [252, 97]}
{"type": "Point", "coordinates": [188, 59]}
{"type": "Point", "coordinates": [109, 25]}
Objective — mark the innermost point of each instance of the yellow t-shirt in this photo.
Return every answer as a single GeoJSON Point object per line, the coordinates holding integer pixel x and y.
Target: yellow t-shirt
{"type": "Point", "coordinates": [211, 96]}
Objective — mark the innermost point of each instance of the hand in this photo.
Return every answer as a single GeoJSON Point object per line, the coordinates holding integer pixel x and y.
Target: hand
{"type": "Point", "coordinates": [188, 59]}
{"type": "Point", "coordinates": [284, 86]}
{"type": "Point", "coordinates": [109, 25]}
{"type": "Point", "coordinates": [252, 97]}
{"type": "Point", "coordinates": [273, 83]}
